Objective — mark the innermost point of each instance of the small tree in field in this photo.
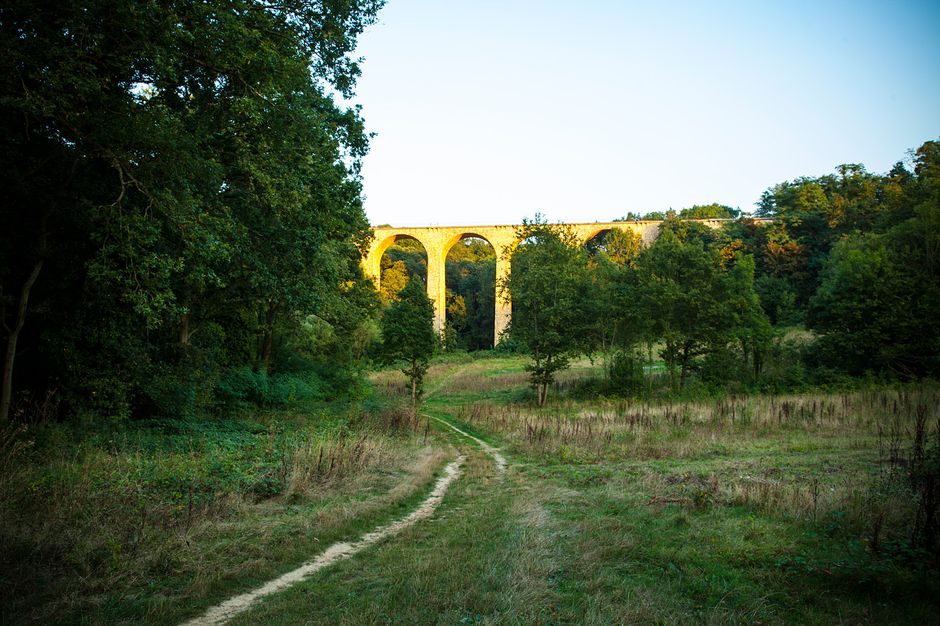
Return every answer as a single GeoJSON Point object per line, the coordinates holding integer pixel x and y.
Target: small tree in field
{"type": "Point", "coordinates": [549, 289]}
{"type": "Point", "coordinates": [408, 334]}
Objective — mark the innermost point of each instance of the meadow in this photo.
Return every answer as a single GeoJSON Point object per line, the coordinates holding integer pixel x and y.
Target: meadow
{"type": "Point", "coordinates": [150, 521]}
{"type": "Point", "coordinates": [754, 509]}
{"type": "Point", "coordinates": [801, 508]}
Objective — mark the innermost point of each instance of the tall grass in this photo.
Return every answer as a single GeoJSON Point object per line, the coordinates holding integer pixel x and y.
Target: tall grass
{"type": "Point", "coordinates": [656, 430]}
{"type": "Point", "coordinates": [865, 460]}
{"type": "Point", "coordinates": [127, 517]}
{"type": "Point", "coordinates": [315, 461]}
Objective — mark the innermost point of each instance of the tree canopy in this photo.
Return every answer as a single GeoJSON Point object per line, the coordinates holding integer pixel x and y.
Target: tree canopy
{"type": "Point", "coordinates": [178, 173]}
{"type": "Point", "coordinates": [550, 294]}
{"type": "Point", "coordinates": [408, 334]}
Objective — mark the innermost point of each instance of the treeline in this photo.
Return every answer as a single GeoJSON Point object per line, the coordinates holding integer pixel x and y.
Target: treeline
{"type": "Point", "coordinates": [181, 224]}
{"type": "Point", "coordinates": [852, 257]}
{"type": "Point", "coordinates": [182, 227]}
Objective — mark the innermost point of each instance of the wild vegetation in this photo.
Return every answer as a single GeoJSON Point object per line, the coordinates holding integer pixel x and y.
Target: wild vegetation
{"type": "Point", "coordinates": [183, 223]}
{"type": "Point", "coordinates": [852, 257]}
{"type": "Point", "coordinates": [728, 424]}
{"type": "Point", "coordinates": [791, 508]}
{"type": "Point", "coordinates": [149, 521]}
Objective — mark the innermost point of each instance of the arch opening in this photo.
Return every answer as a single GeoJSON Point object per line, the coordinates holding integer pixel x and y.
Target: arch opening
{"type": "Point", "coordinates": [620, 246]}
{"type": "Point", "coordinates": [402, 257]}
{"type": "Point", "coordinates": [470, 286]}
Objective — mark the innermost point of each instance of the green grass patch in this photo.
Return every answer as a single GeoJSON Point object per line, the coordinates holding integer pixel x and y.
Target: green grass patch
{"type": "Point", "coordinates": [150, 522]}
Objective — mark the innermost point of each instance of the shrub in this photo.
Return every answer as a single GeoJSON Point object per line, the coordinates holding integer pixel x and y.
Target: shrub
{"type": "Point", "coordinates": [243, 384]}
{"type": "Point", "coordinates": [626, 376]}
{"type": "Point", "coordinates": [508, 346]}
{"type": "Point", "coordinates": [720, 367]}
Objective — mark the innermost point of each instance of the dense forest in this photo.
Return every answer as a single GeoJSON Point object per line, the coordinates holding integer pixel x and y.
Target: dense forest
{"type": "Point", "coordinates": [182, 221]}
{"type": "Point", "coordinates": [183, 224]}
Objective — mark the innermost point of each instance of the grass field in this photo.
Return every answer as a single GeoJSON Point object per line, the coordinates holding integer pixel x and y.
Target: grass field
{"type": "Point", "coordinates": [151, 522]}
{"type": "Point", "coordinates": [747, 510]}
{"type": "Point", "coordinates": [760, 509]}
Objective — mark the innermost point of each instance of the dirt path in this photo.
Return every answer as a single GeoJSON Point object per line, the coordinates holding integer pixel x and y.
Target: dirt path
{"type": "Point", "coordinates": [439, 384]}
{"type": "Point", "coordinates": [498, 458]}
{"type": "Point", "coordinates": [445, 378]}
{"type": "Point", "coordinates": [225, 611]}
{"type": "Point", "coordinates": [232, 607]}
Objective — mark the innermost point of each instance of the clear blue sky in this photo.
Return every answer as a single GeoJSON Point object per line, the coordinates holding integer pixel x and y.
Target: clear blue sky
{"type": "Point", "coordinates": [485, 112]}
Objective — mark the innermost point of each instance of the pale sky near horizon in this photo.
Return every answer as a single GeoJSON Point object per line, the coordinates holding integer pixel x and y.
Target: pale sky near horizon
{"type": "Point", "coordinates": [487, 112]}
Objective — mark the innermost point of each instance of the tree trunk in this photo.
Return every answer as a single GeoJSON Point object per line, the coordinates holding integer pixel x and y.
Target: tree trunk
{"type": "Point", "coordinates": [267, 342]}
{"type": "Point", "coordinates": [414, 387]}
{"type": "Point", "coordinates": [185, 331]}
{"type": "Point", "coordinates": [6, 395]}
{"type": "Point", "coordinates": [684, 367]}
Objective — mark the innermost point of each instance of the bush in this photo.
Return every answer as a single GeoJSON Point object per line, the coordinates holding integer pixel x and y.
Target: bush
{"type": "Point", "coordinates": [170, 393]}
{"type": "Point", "coordinates": [721, 367]}
{"type": "Point", "coordinates": [245, 385]}
{"type": "Point", "coordinates": [626, 376]}
{"type": "Point", "coordinates": [508, 345]}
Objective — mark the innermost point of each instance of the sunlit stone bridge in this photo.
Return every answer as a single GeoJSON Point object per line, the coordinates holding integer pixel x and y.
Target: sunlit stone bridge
{"type": "Point", "coordinates": [438, 240]}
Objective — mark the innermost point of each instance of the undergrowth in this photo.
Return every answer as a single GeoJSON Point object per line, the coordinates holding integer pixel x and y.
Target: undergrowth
{"type": "Point", "coordinates": [106, 521]}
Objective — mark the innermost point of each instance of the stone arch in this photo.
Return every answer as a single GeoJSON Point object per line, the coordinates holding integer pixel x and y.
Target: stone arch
{"type": "Point", "coordinates": [595, 233]}
{"type": "Point", "coordinates": [452, 241]}
{"type": "Point", "coordinates": [437, 241]}
{"type": "Point", "coordinates": [590, 233]}
{"type": "Point", "coordinates": [598, 240]}
{"type": "Point", "coordinates": [380, 246]}
{"type": "Point", "coordinates": [446, 248]}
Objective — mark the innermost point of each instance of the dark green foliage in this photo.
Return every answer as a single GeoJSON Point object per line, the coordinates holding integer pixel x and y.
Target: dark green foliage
{"type": "Point", "coordinates": [474, 281]}
{"type": "Point", "coordinates": [412, 254]}
{"type": "Point", "coordinates": [813, 213]}
{"type": "Point", "coordinates": [650, 215]}
{"type": "Point", "coordinates": [873, 312]}
{"type": "Point", "coordinates": [182, 188]}
{"type": "Point", "coordinates": [471, 277]}
{"type": "Point", "coordinates": [245, 385]}
{"type": "Point", "coordinates": [777, 297]}
{"type": "Point", "coordinates": [408, 334]}
{"type": "Point", "coordinates": [924, 478]}
{"type": "Point", "coordinates": [470, 272]}
{"type": "Point", "coordinates": [626, 376]}
{"type": "Point", "coordinates": [620, 247]}
{"type": "Point", "coordinates": [709, 211]}
{"type": "Point", "coordinates": [551, 293]}
{"type": "Point", "coordinates": [687, 231]}
{"type": "Point", "coordinates": [508, 346]}
{"type": "Point", "coordinates": [854, 255]}
{"type": "Point", "coordinates": [696, 305]}
{"type": "Point", "coordinates": [695, 212]}
{"type": "Point", "coordinates": [879, 296]}
{"type": "Point", "coordinates": [858, 307]}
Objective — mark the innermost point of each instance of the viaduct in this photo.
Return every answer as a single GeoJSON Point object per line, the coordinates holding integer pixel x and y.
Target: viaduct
{"type": "Point", "coordinates": [438, 240]}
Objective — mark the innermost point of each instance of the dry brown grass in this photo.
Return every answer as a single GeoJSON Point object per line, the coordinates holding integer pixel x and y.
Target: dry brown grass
{"type": "Point", "coordinates": [315, 462]}
{"type": "Point", "coordinates": [107, 527]}
{"type": "Point", "coordinates": [689, 429]}
{"type": "Point", "coordinates": [475, 380]}
{"type": "Point", "coordinates": [806, 457]}
{"type": "Point", "coordinates": [389, 383]}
